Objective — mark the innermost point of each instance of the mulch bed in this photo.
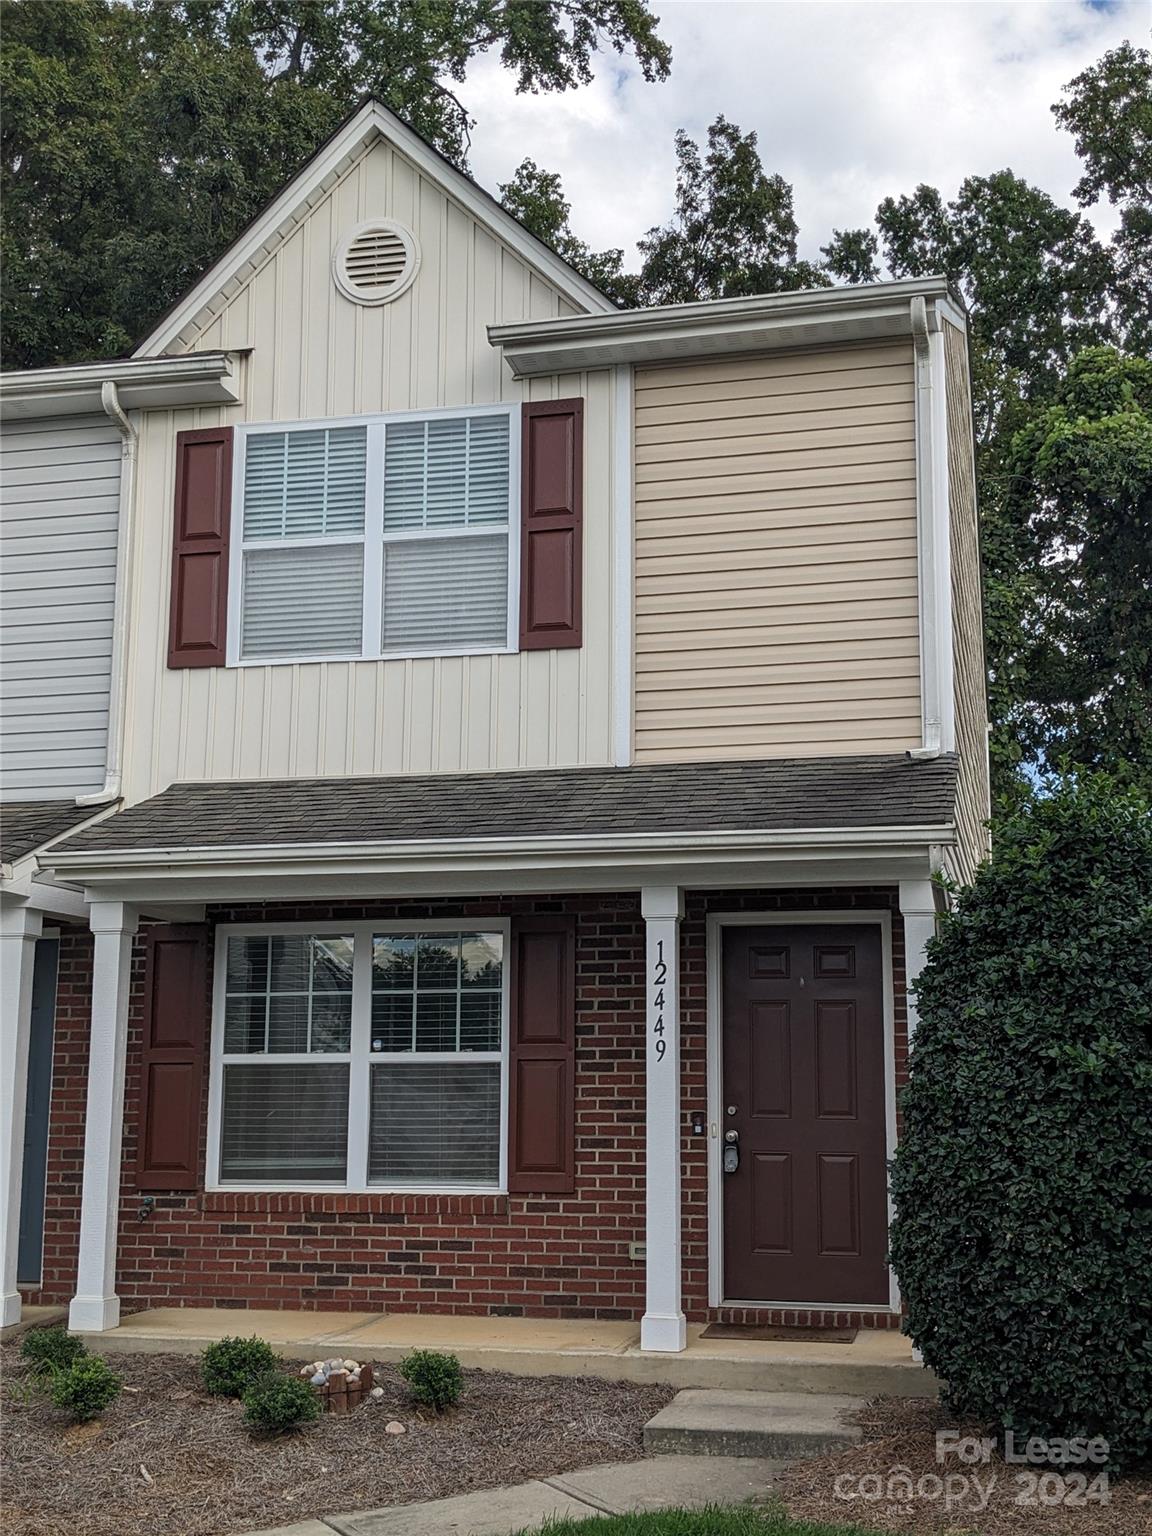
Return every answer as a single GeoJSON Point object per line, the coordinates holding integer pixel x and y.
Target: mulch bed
{"type": "Point", "coordinates": [899, 1432]}
{"type": "Point", "coordinates": [169, 1458]}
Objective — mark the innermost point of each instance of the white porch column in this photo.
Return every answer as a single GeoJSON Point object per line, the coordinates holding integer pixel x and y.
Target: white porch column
{"type": "Point", "coordinates": [20, 927]}
{"type": "Point", "coordinates": [918, 909]}
{"type": "Point", "coordinates": [662, 1327]}
{"type": "Point", "coordinates": [96, 1306]}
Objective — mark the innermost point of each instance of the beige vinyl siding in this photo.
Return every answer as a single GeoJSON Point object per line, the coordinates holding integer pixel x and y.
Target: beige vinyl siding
{"type": "Point", "coordinates": [971, 703]}
{"type": "Point", "coordinates": [776, 608]}
{"type": "Point", "coordinates": [315, 355]}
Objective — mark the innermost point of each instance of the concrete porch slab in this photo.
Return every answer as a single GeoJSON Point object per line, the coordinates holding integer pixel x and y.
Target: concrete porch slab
{"type": "Point", "coordinates": [878, 1362]}
{"type": "Point", "coordinates": [783, 1425]}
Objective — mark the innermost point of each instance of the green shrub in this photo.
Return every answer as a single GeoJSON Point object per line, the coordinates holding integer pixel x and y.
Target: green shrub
{"type": "Point", "coordinates": [230, 1366]}
{"type": "Point", "coordinates": [1022, 1237]}
{"type": "Point", "coordinates": [51, 1349]}
{"type": "Point", "coordinates": [277, 1404]}
{"type": "Point", "coordinates": [85, 1387]}
{"type": "Point", "coordinates": [434, 1380]}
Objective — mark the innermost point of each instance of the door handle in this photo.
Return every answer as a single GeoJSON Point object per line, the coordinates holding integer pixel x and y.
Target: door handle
{"type": "Point", "coordinates": [731, 1151]}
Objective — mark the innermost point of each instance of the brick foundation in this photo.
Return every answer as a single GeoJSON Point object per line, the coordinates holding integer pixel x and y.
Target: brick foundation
{"type": "Point", "coordinates": [497, 1255]}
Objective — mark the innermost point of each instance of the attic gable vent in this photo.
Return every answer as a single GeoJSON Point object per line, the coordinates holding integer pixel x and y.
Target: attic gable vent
{"type": "Point", "coordinates": [376, 261]}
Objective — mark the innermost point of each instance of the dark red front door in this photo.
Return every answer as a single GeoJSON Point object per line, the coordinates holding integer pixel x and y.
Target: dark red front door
{"type": "Point", "coordinates": [805, 1212]}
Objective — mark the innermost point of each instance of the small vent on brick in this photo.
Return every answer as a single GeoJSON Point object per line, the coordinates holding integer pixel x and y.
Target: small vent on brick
{"type": "Point", "coordinates": [376, 262]}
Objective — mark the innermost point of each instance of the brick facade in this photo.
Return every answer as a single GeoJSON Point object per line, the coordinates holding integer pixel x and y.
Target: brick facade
{"type": "Point", "coordinates": [503, 1255]}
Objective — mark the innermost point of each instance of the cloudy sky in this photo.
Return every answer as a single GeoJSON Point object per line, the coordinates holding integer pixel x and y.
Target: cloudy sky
{"type": "Point", "coordinates": [851, 102]}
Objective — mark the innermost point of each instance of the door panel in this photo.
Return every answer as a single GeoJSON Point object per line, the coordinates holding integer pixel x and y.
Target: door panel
{"type": "Point", "coordinates": [805, 1212]}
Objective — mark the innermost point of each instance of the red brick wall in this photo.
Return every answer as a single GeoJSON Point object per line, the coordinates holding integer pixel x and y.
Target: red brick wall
{"type": "Point", "coordinates": [551, 1256]}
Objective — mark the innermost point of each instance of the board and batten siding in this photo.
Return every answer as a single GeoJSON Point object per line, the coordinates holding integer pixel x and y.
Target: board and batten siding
{"type": "Point", "coordinates": [315, 355]}
{"type": "Point", "coordinates": [58, 523]}
{"type": "Point", "coordinates": [970, 678]}
{"type": "Point", "coordinates": [776, 593]}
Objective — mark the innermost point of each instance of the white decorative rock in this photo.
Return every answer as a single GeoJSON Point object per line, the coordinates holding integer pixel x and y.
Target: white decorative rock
{"type": "Point", "coordinates": [394, 1427]}
{"type": "Point", "coordinates": [351, 1365]}
{"type": "Point", "coordinates": [307, 1370]}
{"type": "Point", "coordinates": [319, 1379]}
{"type": "Point", "coordinates": [377, 1393]}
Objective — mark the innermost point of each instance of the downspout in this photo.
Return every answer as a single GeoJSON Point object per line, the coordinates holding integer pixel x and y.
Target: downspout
{"type": "Point", "coordinates": [926, 536]}
{"type": "Point", "coordinates": [117, 682]}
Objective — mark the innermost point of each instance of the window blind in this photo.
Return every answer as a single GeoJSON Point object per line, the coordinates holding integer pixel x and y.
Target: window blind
{"type": "Point", "coordinates": [434, 1121]}
{"type": "Point", "coordinates": [285, 1123]}
{"type": "Point", "coordinates": [302, 601]}
{"type": "Point", "coordinates": [446, 472]}
{"type": "Point", "coordinates": [305, 484]}
{"type": "Point", "coordinates": [445, 593]}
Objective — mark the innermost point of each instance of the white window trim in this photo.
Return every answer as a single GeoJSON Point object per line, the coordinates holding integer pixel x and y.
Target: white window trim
{"type": "Point", "coordinates": [360, 1058]}
{"type": "Point", "coordinates": [374, 538]}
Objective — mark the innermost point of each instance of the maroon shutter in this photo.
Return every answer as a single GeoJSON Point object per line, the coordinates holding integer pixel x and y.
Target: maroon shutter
{"type": "Point", "coordinates": [199, 618]}
{"type": "Point", "coordinates": [542, 1091]}
{"type": "Point", "coordinates": [552, 517]}
{"type": "Point", "coordinates": [172, 1074]}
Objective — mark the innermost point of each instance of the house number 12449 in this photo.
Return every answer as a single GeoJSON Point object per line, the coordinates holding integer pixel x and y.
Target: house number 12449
{"type": "Point", "coordinates": [659, 978]}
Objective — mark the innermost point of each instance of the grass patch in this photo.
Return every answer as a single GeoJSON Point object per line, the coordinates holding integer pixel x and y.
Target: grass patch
{"type": "Point", "coordinates": [712, 1520]}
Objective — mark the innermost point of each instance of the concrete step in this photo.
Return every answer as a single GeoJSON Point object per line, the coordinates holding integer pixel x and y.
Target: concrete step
{"type": "Point", "coordinates": [784, 1426]}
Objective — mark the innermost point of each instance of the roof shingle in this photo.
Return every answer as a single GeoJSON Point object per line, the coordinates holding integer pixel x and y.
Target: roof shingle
{"type": "Point", "coordinates": [781, 795]}
{"type": "Point", "coordinates": [26, 825]}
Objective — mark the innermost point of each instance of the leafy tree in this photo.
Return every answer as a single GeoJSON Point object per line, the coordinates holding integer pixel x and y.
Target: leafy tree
{"type": "Point", "coordinates": [1080, 503]}
{"type": "Point", "coordinates": [1109, 109]}
{"type": "Point", "coordinates": [536, 198]}
{"type": "Point", "coordinates": [733, 232]}
{"type": "Point", "coordinates": [1022, 1184]}
{"type": "Point", "coordinates": [851, 255]}
{"type": "Point", "coordinates": [139, 139]}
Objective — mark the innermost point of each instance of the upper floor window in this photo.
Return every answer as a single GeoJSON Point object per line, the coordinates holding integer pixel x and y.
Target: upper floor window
{"type": "Point", "coordinates": [384, 536]}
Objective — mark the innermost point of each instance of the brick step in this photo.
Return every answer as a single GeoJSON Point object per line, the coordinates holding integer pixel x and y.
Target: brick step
{"type": "Point", "coordinates": [784, 1426]}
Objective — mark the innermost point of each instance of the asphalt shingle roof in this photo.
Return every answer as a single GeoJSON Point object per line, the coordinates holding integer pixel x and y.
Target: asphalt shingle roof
{"type": "Point", "coordinates": [802, 793]}
{"type": "Point", "coordinates": [28, 824]}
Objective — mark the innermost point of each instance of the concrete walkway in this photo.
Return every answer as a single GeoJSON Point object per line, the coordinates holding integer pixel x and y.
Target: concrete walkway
{"type": "Point", "coordinates": [878, 1362]}
{"type": "Point", "coordinates": [666, 1482]}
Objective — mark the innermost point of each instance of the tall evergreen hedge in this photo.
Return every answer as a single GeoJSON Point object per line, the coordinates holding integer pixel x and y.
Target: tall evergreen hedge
{"type": "Point", "coordinates": [1023, 1182]}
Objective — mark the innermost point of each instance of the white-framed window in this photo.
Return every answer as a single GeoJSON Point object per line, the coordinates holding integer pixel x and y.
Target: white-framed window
{"type": "Point", "coordinates": [360, 1057]}
{"type": "Point", "coordinates": [375, 536]}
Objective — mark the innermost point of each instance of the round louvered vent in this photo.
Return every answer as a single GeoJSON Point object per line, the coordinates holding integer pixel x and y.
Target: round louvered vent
{"type": "Point", "coordinates": [376, 261]}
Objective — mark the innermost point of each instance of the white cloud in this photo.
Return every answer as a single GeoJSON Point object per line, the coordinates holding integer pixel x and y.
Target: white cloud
{"type": "Point", "coordinates": [851, 102]}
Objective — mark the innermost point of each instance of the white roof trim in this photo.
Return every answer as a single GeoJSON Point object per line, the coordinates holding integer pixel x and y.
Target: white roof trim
{"type": "Point", "coordinates": [193, 378]}
{"type": "Point", "coordinates": [814, 317]}
{"type": "Point", "coordinates": [288, 209]}
{"type": "Point", "coordinates": [442, 855]}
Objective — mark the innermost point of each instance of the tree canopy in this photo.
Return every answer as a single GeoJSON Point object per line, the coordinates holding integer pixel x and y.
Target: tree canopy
{"type": "Point", "coordinates": [138, 139]}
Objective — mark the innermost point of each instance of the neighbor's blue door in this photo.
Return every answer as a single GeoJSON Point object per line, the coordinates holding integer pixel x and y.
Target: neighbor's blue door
{"type": "Point", "coordinates": [31, 1254]}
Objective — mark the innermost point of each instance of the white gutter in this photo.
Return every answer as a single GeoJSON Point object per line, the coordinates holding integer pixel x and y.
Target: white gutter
{"type": "Point", "coordinates": [933, 536]}
{"type": "Point", "coordinates": [437, 853]}
{"type": "Point", "coordinates": [819, 317]}
{"type": "Point", "coordinates": [118, 679]}
{"type": "Point", "coordinates": [192, 378]}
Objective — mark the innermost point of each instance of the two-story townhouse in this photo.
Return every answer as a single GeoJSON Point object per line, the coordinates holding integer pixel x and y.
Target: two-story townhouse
{"type": "Point", "coordinates": [542, 726]}
{"type": "Point", "coordinates": [67, 444]}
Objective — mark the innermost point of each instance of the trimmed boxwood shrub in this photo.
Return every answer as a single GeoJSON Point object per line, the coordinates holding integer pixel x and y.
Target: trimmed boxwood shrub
{"type": "Point", "coordinates": [230, 1366]}
{"type": "Point", "coordinates": [278, 1404]}
{"type": "Point", "coordinates": [434, 1380]}
{"type": "Point", "coordinates": [51, 1349]}
{"type": "Point", "coordinates": [1022, 1238]}
{"type": "Point", "coordinates": [85, 1388]}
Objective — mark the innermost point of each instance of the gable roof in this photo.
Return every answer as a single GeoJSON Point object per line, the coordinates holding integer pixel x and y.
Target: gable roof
{"type": "Point", "coordinates": [369, 122]}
